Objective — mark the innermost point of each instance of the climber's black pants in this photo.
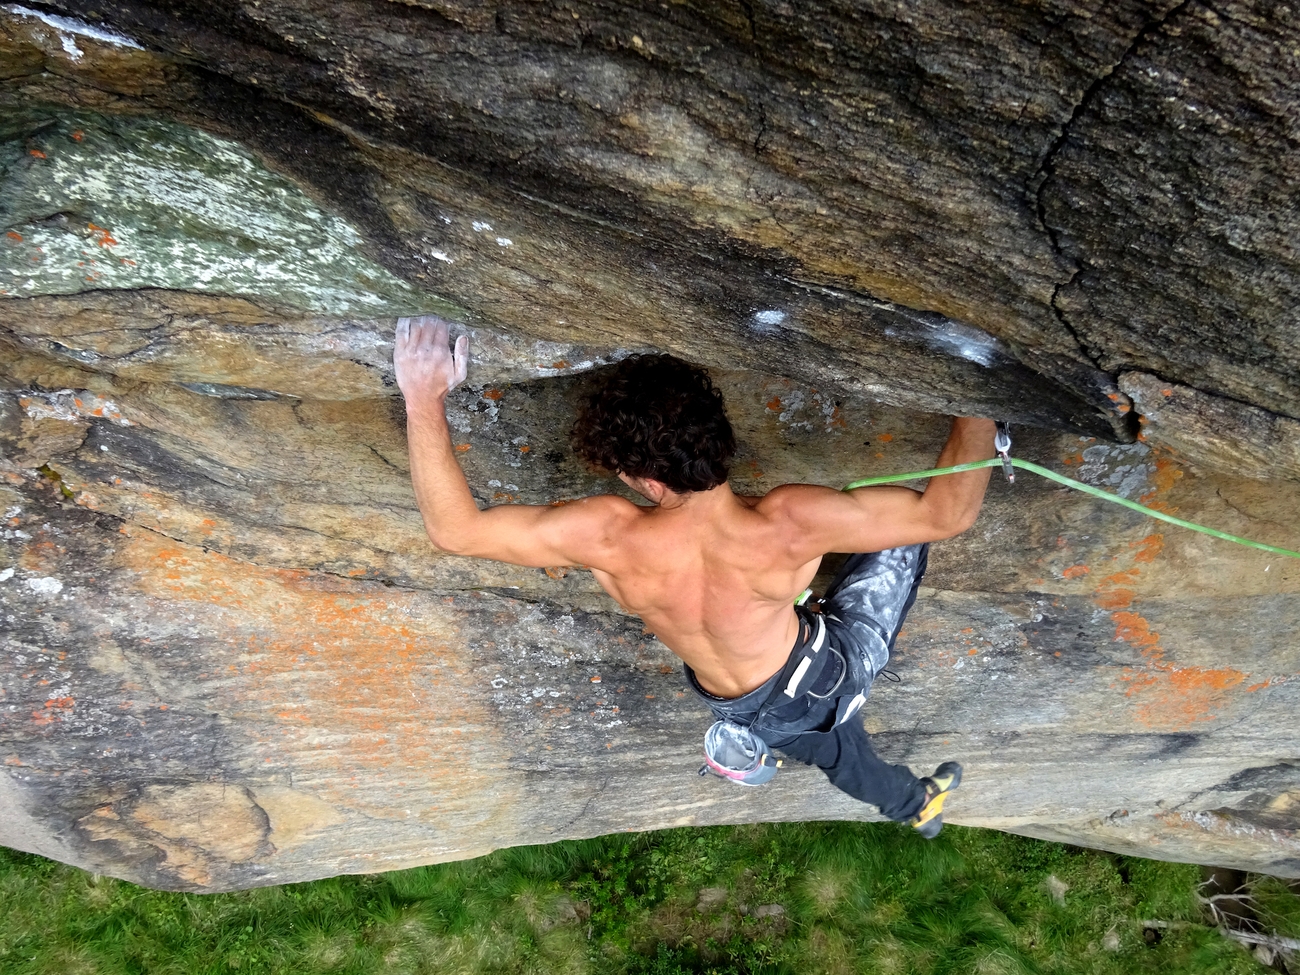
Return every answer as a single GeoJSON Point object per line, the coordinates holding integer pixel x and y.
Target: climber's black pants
{"type": "Point", "coordinates": [845, 754]}
{"type": "Point", "coordinates": [804, 729]}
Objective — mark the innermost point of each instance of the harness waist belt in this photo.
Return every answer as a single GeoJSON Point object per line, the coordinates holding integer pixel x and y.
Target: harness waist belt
{"type": "Point", "coordinates": [810, 655]}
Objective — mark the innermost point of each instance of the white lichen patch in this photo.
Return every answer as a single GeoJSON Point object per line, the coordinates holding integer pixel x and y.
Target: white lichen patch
{"type": "Point", "coordinates": [71, 405]}
{"type": "Point", "coordinates": [952, 338]}
{"type": "Point", "coordinates": [768, 321]}
{"type": "Point", "coordinates": [95, 203]}
{"type": "Point", "coordinates": [68, 27]}
{"type": "Point", "coordinates": [45, 585]}
{"type": "Point", "coordinates": [6, 574]}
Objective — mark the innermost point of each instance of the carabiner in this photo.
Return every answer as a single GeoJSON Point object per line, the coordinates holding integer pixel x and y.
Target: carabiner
{"type": "Point", "coordinates": [1002, 444]}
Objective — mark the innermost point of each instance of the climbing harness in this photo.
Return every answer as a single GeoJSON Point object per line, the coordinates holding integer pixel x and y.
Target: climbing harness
{"type": "Point", "coordinates": [735, 751]}
{"type": "Point", "coordinates": [1002, 444]}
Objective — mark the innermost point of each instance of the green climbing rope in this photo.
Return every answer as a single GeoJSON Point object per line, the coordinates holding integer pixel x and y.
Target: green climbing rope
{"type": "Point", "coordinates": [1025, 465]}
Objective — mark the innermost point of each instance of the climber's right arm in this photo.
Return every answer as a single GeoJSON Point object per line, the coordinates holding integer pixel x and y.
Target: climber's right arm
{"type": "Point", "coordinates": [578, 533]}
{"type": "Point", "coordinates": [870, 519]}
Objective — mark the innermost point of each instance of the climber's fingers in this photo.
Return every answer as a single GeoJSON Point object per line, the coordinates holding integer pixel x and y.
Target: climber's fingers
{"type": "Point", "coordinates": [423, 358]}
{"type": "Point", "coordinates": [432, 334]}
{"type": "Point", "coordinates": [460, 360]}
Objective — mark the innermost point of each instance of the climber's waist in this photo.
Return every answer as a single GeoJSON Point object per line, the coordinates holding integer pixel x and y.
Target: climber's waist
{"type": "Point", "coordinates": [814, 667]}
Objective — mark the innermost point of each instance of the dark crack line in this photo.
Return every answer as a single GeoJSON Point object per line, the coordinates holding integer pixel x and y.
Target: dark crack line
{"type": "Point", "coordinates": [1046, 170]}
{"type": "Point", "coordinates": [748, 7]}
{"type": "Point", "coordinates": [585, 806]}
{"type": "Point", "coordinates": [1246, 514]}
{"type": "Point", "coordinates": [1059, 314]}
{"type": "Point", "coordinates": [386, 461]}
{"type": "Point", "coordinates": [756, 53]}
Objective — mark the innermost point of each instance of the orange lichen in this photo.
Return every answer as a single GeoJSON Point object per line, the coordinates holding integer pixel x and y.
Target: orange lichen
{"type": "Point", "coordinates": [37, 153]}
{"type": "Point", "coordinates": [1167, 695]}
{"type": "Point", "coordinates": [13, 236]}
{"type": "Point", "coordinates": [1113, 592]}
{"type": "Point", "coordinates": [1148, 548]}
{"type": "Point", "coordinates": [78, 135]}
{"type": "Point", "coordinates": [1075, 572]}
{"type": "Point", "coordinates": [103, 236]}
{"type": "Point", "coordinates": [1178, 697]}
{"type": "Point", "coordinates": [885, 437]}
{"type": "Point", "coordinates": [1166, 474]}
{"type": "Point", "coordinates": [367, 670]}
{"type": "Point", "coordinates": [774, 404]}
{"type": "Point", "coordinates": [493, 394]}
{"type": "Point", "coordinates": [462, 447]}
{"type": "Point", "coordinates": [1125, 577]}
{"type": "Point", "coordinates": [53, 710]}
{"type": "Point", "coordinates": [1171, 696]}
{"type": "Point", "coordinates": [1134, 630]}
{"type": "Point", "coordinates": [1114, 598]}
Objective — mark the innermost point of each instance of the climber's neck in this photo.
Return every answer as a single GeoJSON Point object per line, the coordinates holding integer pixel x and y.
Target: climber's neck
{"type": "Point", "coordinates": [696, 504]}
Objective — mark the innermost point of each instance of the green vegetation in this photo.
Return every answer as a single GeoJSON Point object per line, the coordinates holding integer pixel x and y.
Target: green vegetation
{"type": "Point", "coordinates": [796, 898]}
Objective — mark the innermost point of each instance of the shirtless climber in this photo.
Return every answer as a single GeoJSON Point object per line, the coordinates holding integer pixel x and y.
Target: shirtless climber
{"type": "Point", "coordinates": [714, 574]}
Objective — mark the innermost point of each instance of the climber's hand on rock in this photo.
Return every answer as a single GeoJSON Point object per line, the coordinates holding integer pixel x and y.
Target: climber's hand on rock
{"type": "Point", "coordinates": [427, 368]}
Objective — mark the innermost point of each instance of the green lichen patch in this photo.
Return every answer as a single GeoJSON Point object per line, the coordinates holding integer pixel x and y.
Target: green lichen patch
{"type": "Point", "coordinates": [90, 202]}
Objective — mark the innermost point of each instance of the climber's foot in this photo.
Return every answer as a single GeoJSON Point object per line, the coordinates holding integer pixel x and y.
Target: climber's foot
{"type": "Point", "coordinates": [929, 819]}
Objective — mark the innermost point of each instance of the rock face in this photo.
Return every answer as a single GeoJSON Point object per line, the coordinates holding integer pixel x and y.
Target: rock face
{"type": "Point", "coordinates": [230, 656]}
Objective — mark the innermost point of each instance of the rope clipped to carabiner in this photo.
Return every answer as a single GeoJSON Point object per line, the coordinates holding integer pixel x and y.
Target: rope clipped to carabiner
{"type": "Point", "coordinates": [1002, 444]}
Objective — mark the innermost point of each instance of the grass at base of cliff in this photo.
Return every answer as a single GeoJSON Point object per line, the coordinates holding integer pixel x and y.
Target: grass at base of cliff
{"type": "Point", "coordinates": [796, 898]}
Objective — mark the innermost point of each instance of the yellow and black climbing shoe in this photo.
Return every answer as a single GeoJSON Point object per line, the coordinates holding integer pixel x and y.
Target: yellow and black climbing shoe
{"type": "Point", "coordinates": [929, 820]}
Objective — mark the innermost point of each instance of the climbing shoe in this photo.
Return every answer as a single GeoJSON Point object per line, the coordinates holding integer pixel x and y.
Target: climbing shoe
{"type": "Point", "coordinates": [929, 819]}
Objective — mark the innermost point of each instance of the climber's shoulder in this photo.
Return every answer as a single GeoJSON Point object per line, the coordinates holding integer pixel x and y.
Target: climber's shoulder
{"type": "Point", "coordinates": [794, 501]}
{"type": "Point", "coordinates": [607, 511]}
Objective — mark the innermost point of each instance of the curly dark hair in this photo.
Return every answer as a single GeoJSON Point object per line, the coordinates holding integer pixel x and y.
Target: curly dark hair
{"type": "Point", "coordinates": [658, 417]}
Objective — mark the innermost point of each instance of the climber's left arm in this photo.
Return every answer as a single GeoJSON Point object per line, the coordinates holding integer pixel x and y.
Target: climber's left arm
{"type": "Point", "coordinates": [579, 533]}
